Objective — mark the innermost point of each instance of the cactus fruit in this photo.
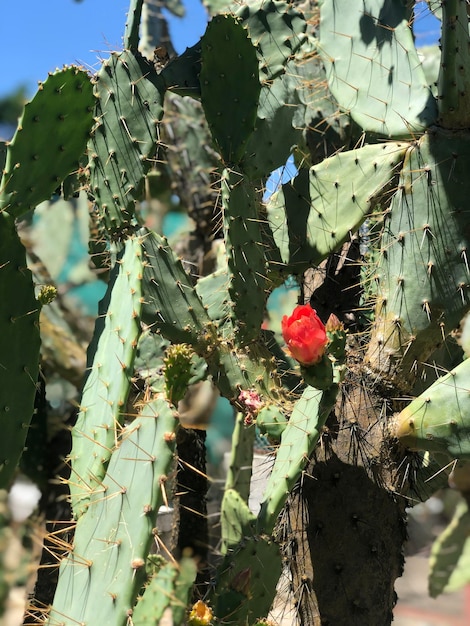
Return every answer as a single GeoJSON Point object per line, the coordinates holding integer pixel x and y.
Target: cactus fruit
{"type": "Point", "coordinates": [271, 420]}
{"type": "Point", "coordinates": [200, 614]}
{"type": "Point", "coordinates": [305, 335]}
{"type": "Point", "coordinates": [177, 371]}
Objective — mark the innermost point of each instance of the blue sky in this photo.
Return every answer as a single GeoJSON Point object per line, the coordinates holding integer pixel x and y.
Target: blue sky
{"type": "Point", "coordinates": [36, 37]}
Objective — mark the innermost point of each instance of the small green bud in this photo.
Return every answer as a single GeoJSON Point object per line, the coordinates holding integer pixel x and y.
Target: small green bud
{"type": "Point", "coordinates": [177, 371]}
{"type": "Point", "coordinates": [336, 337]}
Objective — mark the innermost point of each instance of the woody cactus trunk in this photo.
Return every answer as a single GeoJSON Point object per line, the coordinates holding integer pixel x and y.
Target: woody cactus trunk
{"type": "Point", "coordinates": [374, 228]}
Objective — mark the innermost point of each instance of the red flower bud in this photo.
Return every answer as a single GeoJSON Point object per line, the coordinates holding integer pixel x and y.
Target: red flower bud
{"type": "Point", "coordinates": [305, 335]}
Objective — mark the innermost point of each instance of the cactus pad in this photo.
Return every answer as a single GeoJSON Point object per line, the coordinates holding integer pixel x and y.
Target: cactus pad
{"type": "Point", "coordinates": [107, 385]}
{"type": "Point", "coordinates": [439, 419]}
{"type": "Point", "coordinates": [237, 521]}
{"type": "Point", "coordinates": [125, 138]}
{"type": "Point", "coordinates": [171, 305]}
{"type": "Point", "coordinates": [245, 254]}
{"type": "Point", "coordinates": [100, 578]}
{"type": "Point", "coordinates": [247, 583]}
{"type": "Point", "coordinates": [423, 273]}
{"type": "Point", "coordinates": [447, 552]}
{"type": "Point", "coordinates": [298, 440]}
{"type": "Point", "coordinates": [51, 138]}
{"type": "Point", "coordinates": [169, 588]}
{"type": "Point", "coordinates": [230, 86]}
{"type": "Point", "coordinates": [373, 67]}
{"type": "Point", "coordinates": [324, 204]}
{"type": "Point", "coordinates": [277, 30]}
{"type": "Point", "coordinates": [19, 348]}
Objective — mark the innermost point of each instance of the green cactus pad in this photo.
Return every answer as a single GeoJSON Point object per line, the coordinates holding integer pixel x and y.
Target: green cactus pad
{"type": "Point", "coordinates": [325, 204]}
{"type": "Point", "coordinates": [326, 129]}
{"type": "Point", "coordinates": [171, 304]}
{"type": "Point", "coordinates": [213, 291]}
{"type": "Point", "coordinates": [439, 419]}
{"type": "Point", "coordinates": [250, 367]}
{"type": "Point", "coordinates": [101, 576]}
{"type": "Point", "coordinates": [373, 67]}
{"type": "Point", "coordinates": [448, 550]}
{"type": "Point", "coordinates": [169, 588]}
{"type": "Point", "coordinates": [247, 581]}
{"type": "Point", "coordinates": [277, 30]}
{"type": "Point", "coordinates": [271, 421]}
{"type": "Point", "coordinates": [51, 138]}
{"type": "Point", "coordinates": [237, 521]}
{"type": "Point", "coordinates": [274, 137]}
{"type": "Point", "coordinates": [423, 272]}
{"type": "Point", "coordinates": [111, 355]}
{"type": "Point", "coordinates": [148, 363]}
{"type": "Point", "coordinates": [453, 97]}
{"type": "Point", "coordinates": [125, 139]}
{"type": "Point", "coordinates": [192, 163]}
{"type": "Point", "coordinates": [19, 348]}
{"type": "Point", "coordinates": [181, 75]}
{"type": "Point", "coordinates": [131, 34]}
{"type": "Point", "coordinates": [241, 460]}
{"type": "Point", "coordinates": [297, 443]}
{"type": "Point", "coordinates": [230, 86]}
{"type": "Point", "coordinates": [245, 255]}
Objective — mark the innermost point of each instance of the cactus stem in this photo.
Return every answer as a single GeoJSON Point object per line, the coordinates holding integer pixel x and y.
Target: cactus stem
{"type": "Point", "coordinates": [453, 101]}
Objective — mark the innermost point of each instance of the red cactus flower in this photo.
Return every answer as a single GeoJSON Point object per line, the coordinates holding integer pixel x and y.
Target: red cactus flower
{"type": "Point", "coordinates": [305, 335]}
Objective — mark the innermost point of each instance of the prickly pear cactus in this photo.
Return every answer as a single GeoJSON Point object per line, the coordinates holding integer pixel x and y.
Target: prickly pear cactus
{"type": "Point", "coordinates": [376, 233]}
